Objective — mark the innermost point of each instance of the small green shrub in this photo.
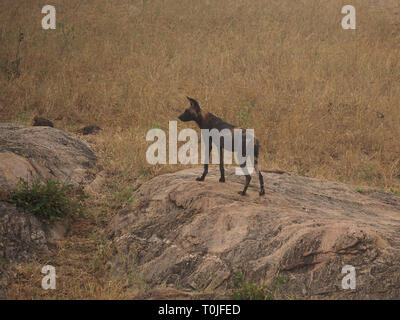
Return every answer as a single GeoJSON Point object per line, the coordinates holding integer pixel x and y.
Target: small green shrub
{"type": "Point", "coordinates": [11, 66]}
{"type": "Point", "coordinates": [249, 291]}
{"type": "Point", "coordinates": [23, 117]}
{"type": "Point", "coordinates": [359, 189]}
{"type": "Point", "coordinates": [395, 191]}
{"type": "Point", "coordinates": [369, 173]}
{"type": "Point", "coordinates": [49, 200]}
{"type": "Point", "coordinates": [245, 114]}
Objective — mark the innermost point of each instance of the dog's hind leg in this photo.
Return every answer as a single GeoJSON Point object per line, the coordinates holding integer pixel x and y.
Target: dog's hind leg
{"type": "Point", "coordinates": [248, 179]}
{"type": "Point", "coordinates": [260, 177]}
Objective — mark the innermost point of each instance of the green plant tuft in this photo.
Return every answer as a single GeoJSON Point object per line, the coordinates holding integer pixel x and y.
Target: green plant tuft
{"type": "Point", "coordinates": [49, 200]}
{"type": "Point", "coordinates": [249, 291]}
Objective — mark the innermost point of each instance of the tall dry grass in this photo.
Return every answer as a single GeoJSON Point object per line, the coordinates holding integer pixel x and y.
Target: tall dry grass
{"type": "Point", "coordinates": [314, 93]}
{"type": "Point", "coordinates": [310, 89]}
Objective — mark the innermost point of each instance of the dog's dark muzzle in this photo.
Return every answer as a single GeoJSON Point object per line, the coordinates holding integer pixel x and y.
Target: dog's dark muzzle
{"type": "Point", "coordinates": [185, 116]}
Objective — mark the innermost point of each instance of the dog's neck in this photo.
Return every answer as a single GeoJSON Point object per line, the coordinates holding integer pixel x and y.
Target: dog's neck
{"type": "Point", "coordinates": [202, 119]}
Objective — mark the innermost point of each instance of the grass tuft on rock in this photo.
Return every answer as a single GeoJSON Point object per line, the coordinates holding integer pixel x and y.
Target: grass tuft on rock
{"type": "Point", "coordinates": [244, 290]}
{"type": "Point", "coordinates": [49, 200]}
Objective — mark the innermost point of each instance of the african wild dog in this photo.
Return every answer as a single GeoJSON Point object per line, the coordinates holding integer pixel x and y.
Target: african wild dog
{"type": "Point", "coordinates": [206, 120]}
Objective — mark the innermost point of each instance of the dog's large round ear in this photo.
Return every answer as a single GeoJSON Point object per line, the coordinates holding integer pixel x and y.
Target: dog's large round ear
{"type": "Point", "coordinates": [194, 104]}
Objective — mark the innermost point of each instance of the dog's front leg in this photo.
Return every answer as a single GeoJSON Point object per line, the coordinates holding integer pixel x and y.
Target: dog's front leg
{"type": "Point", "coordinates": [203, 176]}
{"type": "Point", "coordinates": [221, 164]}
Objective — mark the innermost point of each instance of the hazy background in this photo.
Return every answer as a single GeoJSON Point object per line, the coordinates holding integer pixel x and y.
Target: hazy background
{"type": "Point", "coordinates": [324, 102]}
{"type": "Point", "coordinates": [310, 89]}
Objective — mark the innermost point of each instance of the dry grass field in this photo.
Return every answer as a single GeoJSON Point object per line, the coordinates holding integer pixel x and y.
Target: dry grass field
{"type": "Point", "coordinates": [324, 102]}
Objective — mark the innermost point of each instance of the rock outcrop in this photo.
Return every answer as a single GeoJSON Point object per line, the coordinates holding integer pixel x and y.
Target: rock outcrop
{"type": "Point", "coordinates": [193, 236]}
{"type": "Point", "coordinates": [22, 238]}
{"type": "Point", "coordinates": [51, 153]}
{"type": "Point", "coordinates": [29, 152]}
{"type": "Point", "coordinates": [22, 235]}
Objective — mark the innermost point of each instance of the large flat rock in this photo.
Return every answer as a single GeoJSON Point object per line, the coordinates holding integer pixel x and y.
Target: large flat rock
{"type": "Point", "coordinates": [194, 236]}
